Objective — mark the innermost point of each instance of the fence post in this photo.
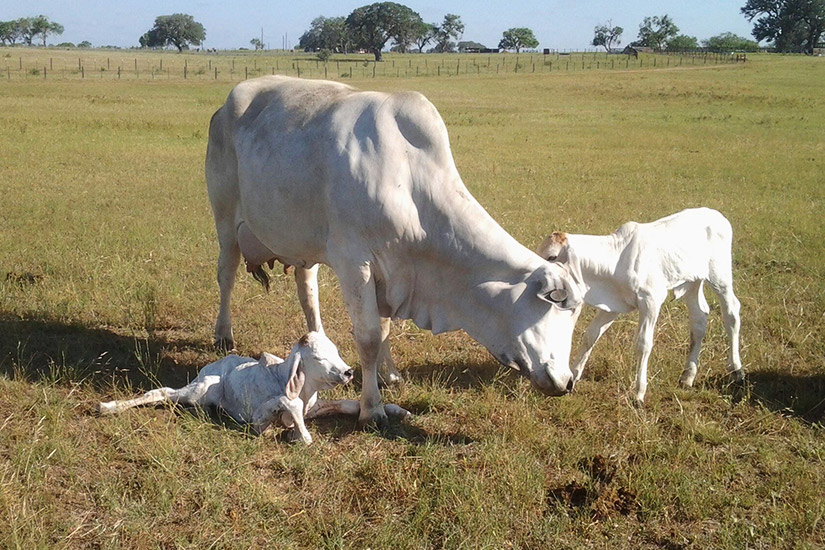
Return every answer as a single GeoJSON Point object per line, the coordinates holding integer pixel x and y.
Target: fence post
{"type": "Point", "coordinates": [44, 73]}
{"type": "Point", "coordinates": [118, 73]}
{"type": "Point", "coordinates": [246, 72]}
{"type": "Point", "coordinates": [82, 72]}
{"type": "Point", "coordinates": [216, 73]}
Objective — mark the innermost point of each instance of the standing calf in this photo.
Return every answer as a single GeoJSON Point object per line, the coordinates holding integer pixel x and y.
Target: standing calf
{"type": "Point", "coordinates": [635, 267]}
{"type": "Point", "coordinates": [266, 391]}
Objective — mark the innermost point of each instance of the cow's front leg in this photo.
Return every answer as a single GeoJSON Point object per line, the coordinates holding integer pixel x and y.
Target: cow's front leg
{"type": "Point", "coordinates": [306, 279]}
{"type": "Point", "coordinates": [358, 288]}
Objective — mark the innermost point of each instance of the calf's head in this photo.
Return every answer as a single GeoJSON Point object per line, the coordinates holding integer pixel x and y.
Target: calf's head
{"type": "Point", "coordinates": [554, 248]}
{"type": "Point", "coordinates": [315, 361]}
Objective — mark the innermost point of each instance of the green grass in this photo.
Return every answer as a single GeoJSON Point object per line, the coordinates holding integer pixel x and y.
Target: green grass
{"type": "Point", "coordinates": [107, 286]}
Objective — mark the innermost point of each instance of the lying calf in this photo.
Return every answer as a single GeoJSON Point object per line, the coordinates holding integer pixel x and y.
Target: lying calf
{"type": "Point", "coordinates": [635, 267]}
{"type": "Point", "coordinates": [266, 391]}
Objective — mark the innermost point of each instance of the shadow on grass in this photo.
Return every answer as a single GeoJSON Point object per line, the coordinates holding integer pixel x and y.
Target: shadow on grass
{"type": "Point", "coordinates": [798, 395]}
{"type": "Point", "coordinates": [463, 375]}
{"type": "Point", "coordinates": [39, 350]}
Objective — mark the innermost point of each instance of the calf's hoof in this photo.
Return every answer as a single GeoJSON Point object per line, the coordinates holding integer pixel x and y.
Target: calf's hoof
{"type": "Point", "coordinates": [737, 376]}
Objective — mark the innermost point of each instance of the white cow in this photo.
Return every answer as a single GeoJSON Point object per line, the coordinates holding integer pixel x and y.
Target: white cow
{"type": "Point", "coordinates": [635, 267]}
{"type": "Point", "coordinates": [266, 391]}
{"type": "Point", "coordinates": [365, 182]}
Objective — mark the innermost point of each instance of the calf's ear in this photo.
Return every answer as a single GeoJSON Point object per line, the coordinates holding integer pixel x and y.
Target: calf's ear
{"type": "Point", "coordinates": [296, 376]}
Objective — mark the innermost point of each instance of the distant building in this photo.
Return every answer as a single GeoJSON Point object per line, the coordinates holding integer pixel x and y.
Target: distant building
{"type": "Point", "coordinates": [636, 50]}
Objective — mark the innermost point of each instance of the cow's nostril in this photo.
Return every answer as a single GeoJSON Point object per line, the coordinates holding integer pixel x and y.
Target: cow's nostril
{"type": "Point", "coordinates": [570, 386]}
{"type": "Point", "coordinates": [348, 373]}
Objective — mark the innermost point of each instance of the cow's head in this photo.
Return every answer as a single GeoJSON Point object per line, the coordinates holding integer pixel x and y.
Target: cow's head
{"type": "Point", "coordinates": [536, 339]}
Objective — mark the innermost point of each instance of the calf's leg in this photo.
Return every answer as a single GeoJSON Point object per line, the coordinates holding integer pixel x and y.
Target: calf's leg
{"type": "Point", "coordinates": [698, 316]}
{"type": "Point", "coordinates": [191, 394]}
{"type": "Point", "coordinates": [648, 313]}
{"type": "Point", "coordinates": [597, 327]}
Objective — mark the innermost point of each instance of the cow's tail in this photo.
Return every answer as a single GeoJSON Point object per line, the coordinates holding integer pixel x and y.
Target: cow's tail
{"type": "Point", "coordinates": [261, 276]}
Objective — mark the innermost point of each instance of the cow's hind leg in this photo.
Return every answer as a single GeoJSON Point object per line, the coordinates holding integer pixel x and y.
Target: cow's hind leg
{"type": "Point", "coordinates": [229, 258]}
{"type": "Point", "coordinates": [358, 288]}
{"type": "Point", "coordinates": [698, 315]}
{"type": "Point", "coordinates": [389, 373]}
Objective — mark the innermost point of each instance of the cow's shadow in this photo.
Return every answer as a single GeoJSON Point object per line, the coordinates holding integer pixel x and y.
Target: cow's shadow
{"type": "Point", "coordinates": [41, 349]}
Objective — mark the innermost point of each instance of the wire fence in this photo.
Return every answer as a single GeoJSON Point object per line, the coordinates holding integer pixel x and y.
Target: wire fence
{"type": "Point", "coordinates": [45, 64]}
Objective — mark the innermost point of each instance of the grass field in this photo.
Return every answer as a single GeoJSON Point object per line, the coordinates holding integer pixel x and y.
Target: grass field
{"type": "Point", "coordinates": [107, 287]}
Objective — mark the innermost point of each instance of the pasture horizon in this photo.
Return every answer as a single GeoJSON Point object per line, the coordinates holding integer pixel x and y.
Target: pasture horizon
{"type": "Point", "coordinates": [107, 287]}
{"type": "Point", "coordinates": [100, 64]}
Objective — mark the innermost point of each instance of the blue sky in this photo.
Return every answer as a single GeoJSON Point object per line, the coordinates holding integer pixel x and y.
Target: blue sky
{"type": "Point", "coordinates": [232, 24]}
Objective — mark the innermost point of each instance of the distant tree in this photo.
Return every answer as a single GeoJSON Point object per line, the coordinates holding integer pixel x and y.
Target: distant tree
{"type": "Point", "coordinates": [179, 30]}
{"type": "Point", "coordinates": [729, 42]}
{"type": "Point", "coordinates": [792, 25]}
{"type": "Point", "coordinates": [326, 33]}
{"type": "Point", "coordinates": [470, 45]}
{"type": "Point", "coordinates": [257, 44]}
{"type": "Point", "coordinates": [324, 55]}
{"type": "Point", "coordinates": [655, 32]}
{"type": "Point", "coordinates": [312, 39]}
{"type": "Point", "coordinates": [517, 38]}
{"type": "Point", "coordinates": [11, 31]}
{"type": "Point", "coordinates": [606, 35]}
{"type": "Point", "coordinates": [42, 27]}
{"type": "Point", "coordinates": [424, 33]}
{"type": "Point", "coordinates": [25, 24]}
{"type": "Point", "coordinates": [84, 44]}
{"type": "Point", "coordinates": [450, 29]}
{"type": "Point", "coordinates": [682, 43]}
{"type": "Point", "coordinates": [371, 27]}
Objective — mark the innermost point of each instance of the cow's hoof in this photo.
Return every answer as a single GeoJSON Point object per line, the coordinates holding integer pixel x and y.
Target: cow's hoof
{"type": "Point", "coordinates": [225, 345]}
{"type": "Point", "coordinates": [373, 420]}
{"type": "Point", "coordinates": [390, 379]}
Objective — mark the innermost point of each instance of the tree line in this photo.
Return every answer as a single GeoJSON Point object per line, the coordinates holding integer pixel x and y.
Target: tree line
{"type": "Point", "coordinates": [660, 33]}
{"type": "Point", "coordinates": [790, 26]}
{"type": "Point", "coordinates": [372, 27]}
{"type": "Point", "coordinates": [26, 29]}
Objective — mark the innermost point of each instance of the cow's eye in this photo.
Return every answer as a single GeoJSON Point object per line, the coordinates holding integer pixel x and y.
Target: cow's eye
{"type": "Point", "coordinates": [557, 296]}
{"type": "Point", "coordinates": [551, 258]}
